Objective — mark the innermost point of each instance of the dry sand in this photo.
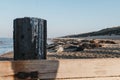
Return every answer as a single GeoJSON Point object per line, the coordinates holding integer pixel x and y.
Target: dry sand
{"type": "Point", "coordinates": [7, 56]}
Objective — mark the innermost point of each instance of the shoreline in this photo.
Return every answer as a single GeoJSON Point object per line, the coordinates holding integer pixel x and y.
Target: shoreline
{"type": "Point", "coordinates": [107, 51]}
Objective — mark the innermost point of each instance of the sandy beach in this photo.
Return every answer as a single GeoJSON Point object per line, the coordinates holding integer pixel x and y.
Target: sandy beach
{"type": "Point", "coordinates": [106, 51]}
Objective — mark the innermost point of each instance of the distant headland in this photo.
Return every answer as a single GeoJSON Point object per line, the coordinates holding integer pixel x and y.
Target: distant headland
{"type": "Point", "coordinates": [106, 31]}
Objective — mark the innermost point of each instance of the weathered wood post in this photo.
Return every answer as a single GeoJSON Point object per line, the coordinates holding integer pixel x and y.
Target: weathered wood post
{"type": "Point", "coordinates": [29, 38]}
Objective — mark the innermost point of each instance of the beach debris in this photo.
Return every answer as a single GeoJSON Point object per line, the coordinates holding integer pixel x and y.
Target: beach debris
{"type": "Point", "coordinates": [60, 49]}
{"type": "Point", "coordinates": [51, 46]}
{"type": "Point", "coordinates": [72, 45]}
{"type": "Point", "coordinates": [107, 42]}
{"type": "Point", "coordinates": [73, 48]}
{"type": "Point", "coordinates": [91, 45]}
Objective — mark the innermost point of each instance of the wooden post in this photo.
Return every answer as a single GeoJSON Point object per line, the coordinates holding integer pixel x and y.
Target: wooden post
{"type": "Point", "coordinates": [29, 38]}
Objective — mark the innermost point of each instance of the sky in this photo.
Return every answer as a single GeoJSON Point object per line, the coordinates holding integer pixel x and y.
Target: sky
{"type": "Point", "coordinates": [64, 17]}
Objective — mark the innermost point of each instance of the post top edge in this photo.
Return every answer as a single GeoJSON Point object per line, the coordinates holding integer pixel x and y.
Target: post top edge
{"type": "Point", "coordinates": [29, 18]}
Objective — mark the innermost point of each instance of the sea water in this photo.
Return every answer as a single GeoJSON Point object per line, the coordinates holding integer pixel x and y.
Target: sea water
{"type": "Point", "coordinates": [6, 45]}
